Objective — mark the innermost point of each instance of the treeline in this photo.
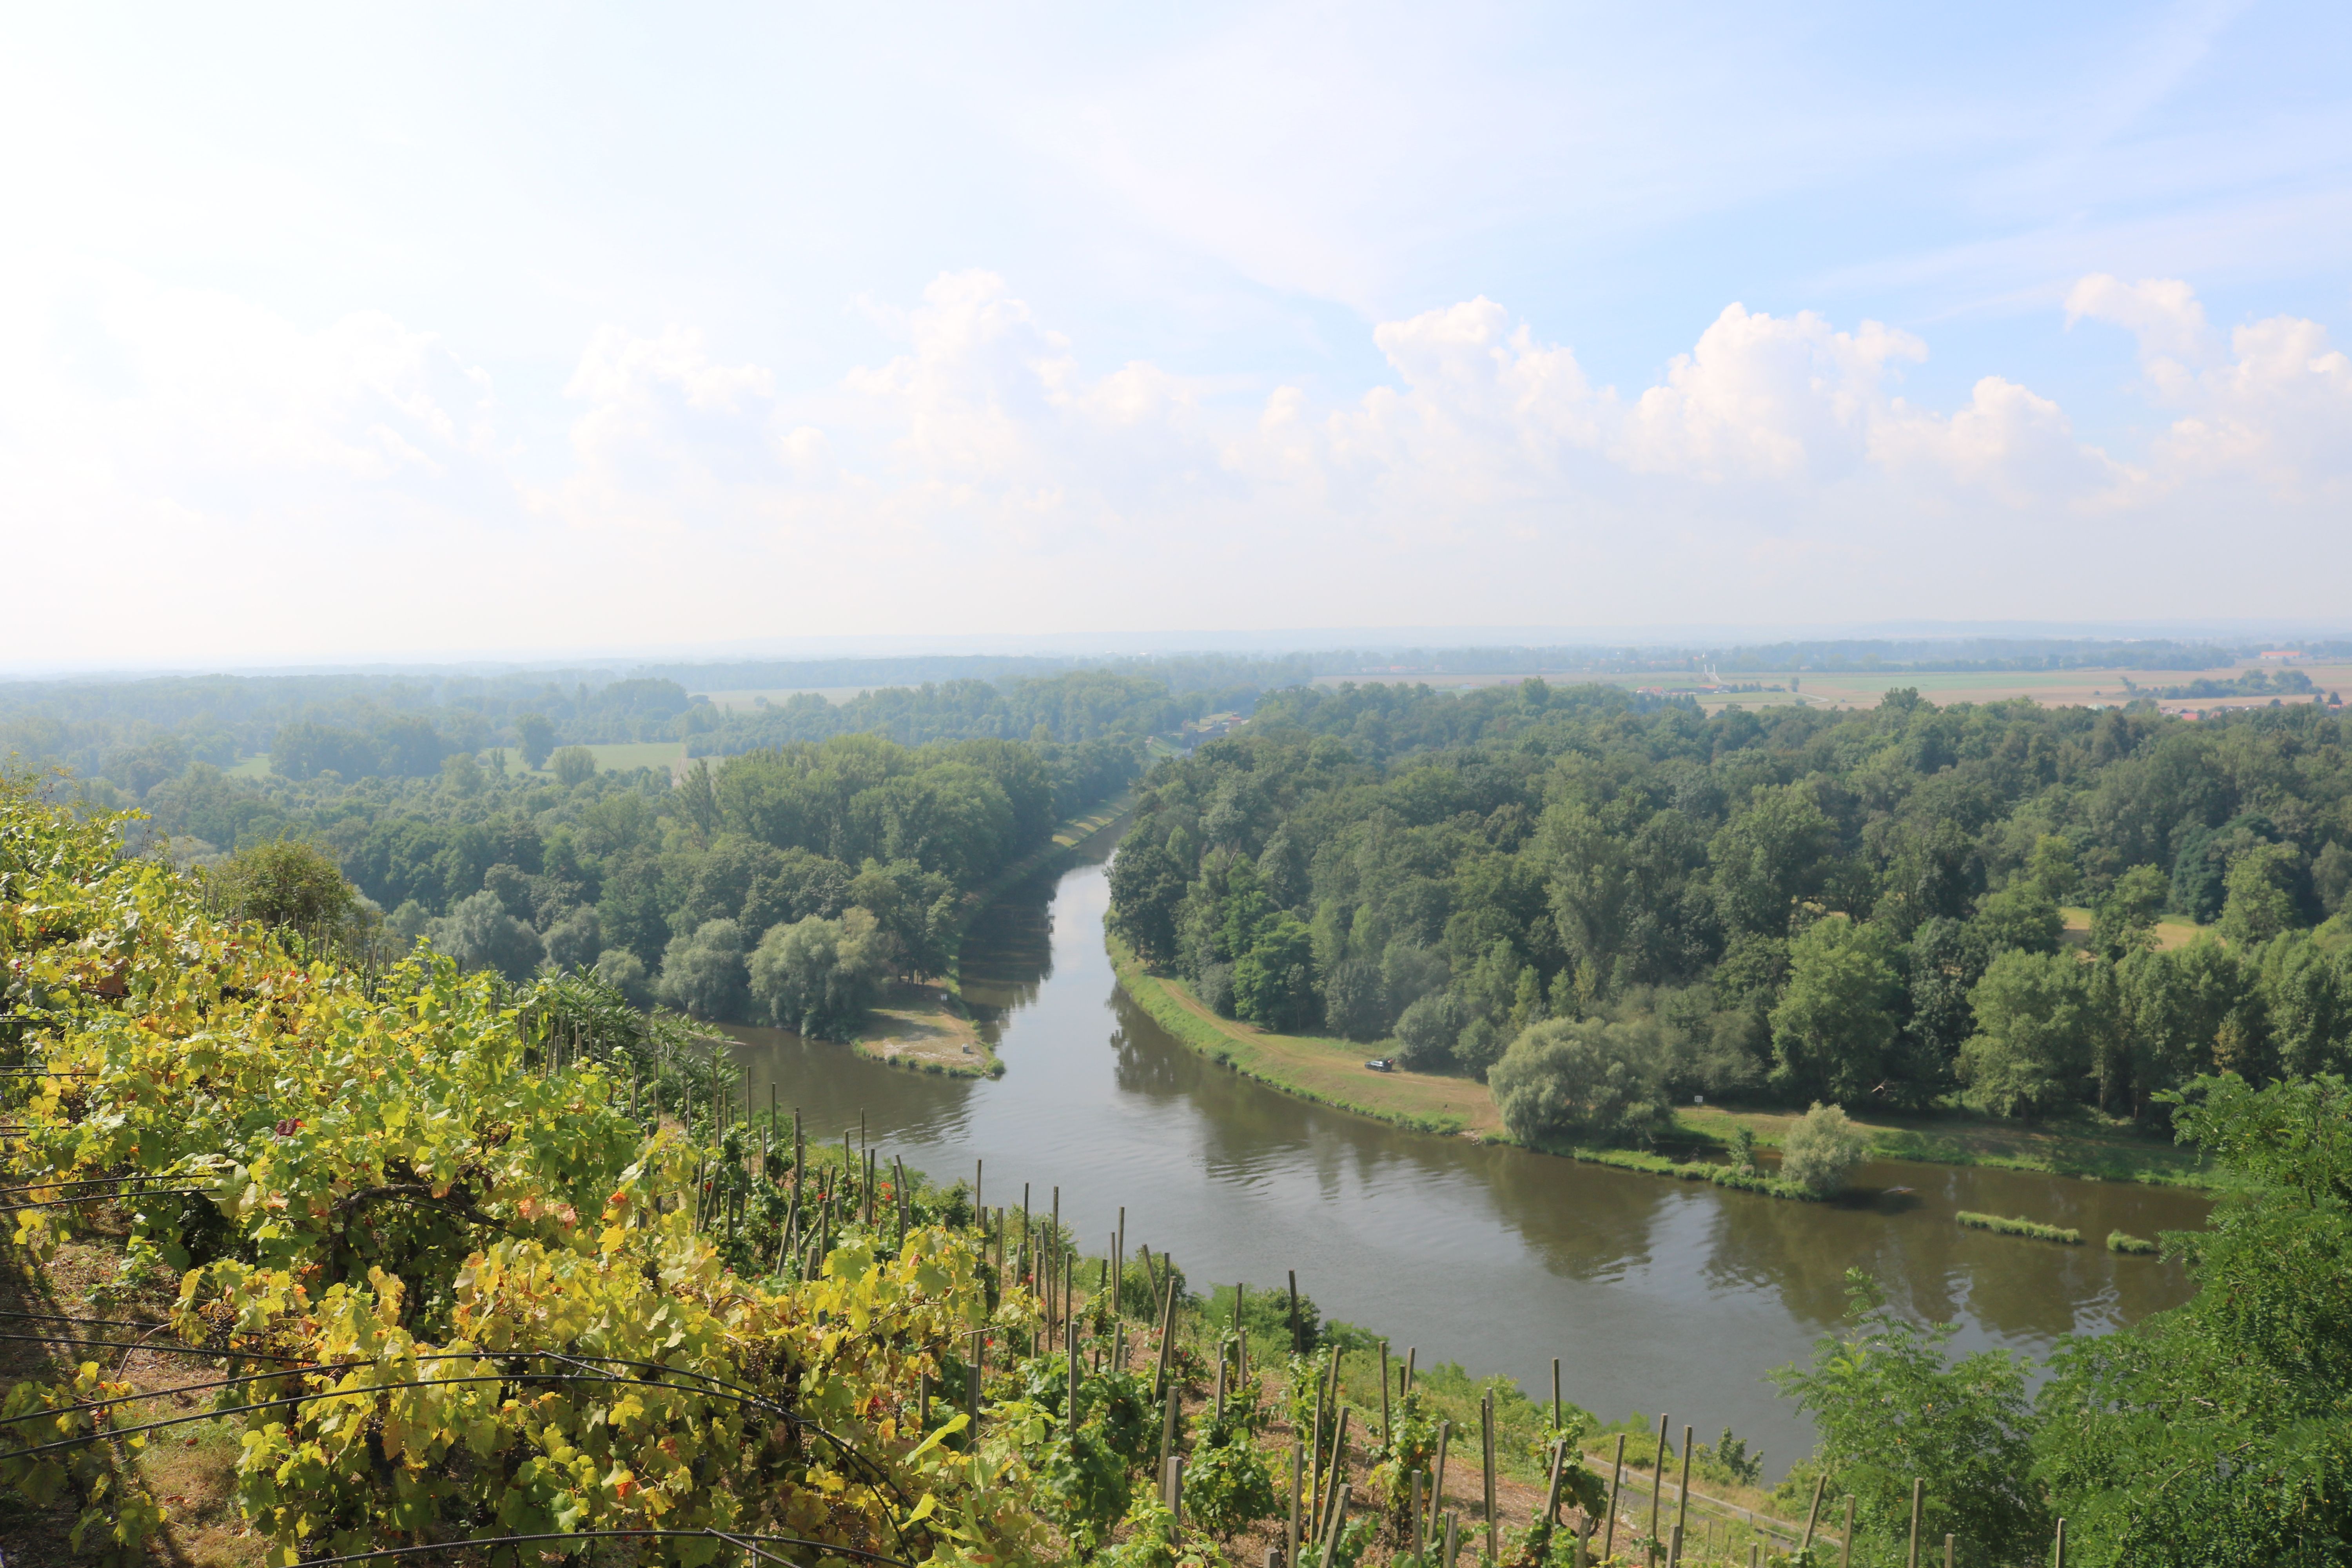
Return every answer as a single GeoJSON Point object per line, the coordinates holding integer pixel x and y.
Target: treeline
{"type": "Point", "coordinates": [670, 891]}
{"type": "Point", "coordinates": [1776, 908]}
{"type": "Point", "coordinates": [136, 733]}
{"type": "Point", "coordinates": [1078, 705]}
{"type": "Point", "coordinates": [2250, 683]}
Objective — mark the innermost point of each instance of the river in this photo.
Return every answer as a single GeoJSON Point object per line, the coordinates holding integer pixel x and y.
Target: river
{"type": "Point", "coordinates": [1657, 1295]}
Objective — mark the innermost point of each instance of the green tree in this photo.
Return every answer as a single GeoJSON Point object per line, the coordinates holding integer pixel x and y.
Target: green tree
{"type": "Point", "coordinates": [2125, 921]}
{"type": "Point", "coordinates": [2033, 1039]}
{"type": "Point", "coordinates": [1147, 885]}
{"type": "Point", "coordinates": [703, 974]}
{"type": "Point", "coordinates": [819, 976]}
{"type": "Point", "coordinates": [1769, 857]}
{"type": "Point", "coordinates": [2022, 917]}
{"type": "Point", "coordinates": [1891, 1405]}
{"type": "Point", "coordinates": [2219, 1433]}
{"type": "Point", "coordinates": [1821, 1150]}
{"type": "Point", "coordinates": [1274, 981]}
{"type": "Point", "coordinates": [2261, 900]}
{"type": "Point", "coordinates": [573, 765]}
{"type": "Point", "coordinates": [479, 934]}
{"type": "Point", "coordinates": [284, 882]}
{"type": "Point", "coordinates": [1587, 1079]}
{"type": "Point", "coordinates": [535, 737]}
{"type": "Point", "coordinates": [1836, 1019]}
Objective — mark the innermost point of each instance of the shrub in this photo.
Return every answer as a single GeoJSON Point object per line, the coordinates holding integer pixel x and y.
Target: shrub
{"type": "Point", "coordinates": [479, 934]}
{"type": "Point", "coordinates": [819, 976]}
{"type": "Point", "coordinates": [2021, 1226]}
{"type": "Point", "coordinates": [1426, 1032]}
{"type": "Point", "coordinates": [2133, 1245]}
{"type": "Point", "coordinates": [1583, 1077]}
{"type": "Point", "coordinates": [283, 882]}
{"type": "Point", "coordinates": [703, 974]}
{"type": "Point", "coordinates": [1821, 1150]}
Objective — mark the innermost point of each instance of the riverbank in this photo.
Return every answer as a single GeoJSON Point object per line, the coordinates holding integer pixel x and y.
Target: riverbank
{"type": "Point", "coordinates": [1332, 1072]}
{"type": "Point", "coordinates": [1327, 1071]}
{"type": "Point", "coordinates": [925, 1028]}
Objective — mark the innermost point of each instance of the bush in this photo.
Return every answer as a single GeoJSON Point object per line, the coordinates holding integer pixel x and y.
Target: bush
{"type": "Point", "coordinates": [2132, 1245]}
{"type": "Point", "coordinates": [1215, 988]}
{"type": "Point", "coordinates": [1821, 1150]}
{"type": "Point", "coordinates": [480, 934]}
{"type": "Point", "coordinates": [2031, 1229]}
{"type": "Point", "coordinates": [284, 882]}
{"type": "Point", "coordinates": [1583, 1077]}
{"type": "Point", "coordinates": [625, 971]}
{"type": "Point", "coordinates": [703, 974]}
{"type": "Point", "coordinates": [819, 976]}
{"type": "Point", "coordinates": [573, 765]}
{"type": "Point", "coordinates": [575, 940]}
{"type": "Point", "coordinates": [1426, 1032]}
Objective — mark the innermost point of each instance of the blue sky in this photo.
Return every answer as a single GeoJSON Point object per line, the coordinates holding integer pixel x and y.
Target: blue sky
{"type": "Point", "coordinates": [554, 328]}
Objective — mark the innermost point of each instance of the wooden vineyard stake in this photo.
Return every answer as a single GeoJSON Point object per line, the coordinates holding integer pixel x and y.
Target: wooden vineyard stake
{"type": "Point", "coordinates": [1814, 1512]}
{"type": "Point", "coordinates": [1167, 1429]}
{"type": "Point", "coordinates": [1298, 1476]}
{"type": "Point", "coordinates": [1167, 1337]}
{"type": "Point", "coordinates": [1331, 1486]}
{"type": "Point", "coordinates": [1657, 1488]}
{"type": "Point", "coordinates": [1845, 1544]}
{"type": "Point", "coordinates": [1555, 1394]}
{"type": "Point", "coordinates": [1437, 1493]}
{"type": "Point", "coordinates": [1385, 1439]}
{"type": "Point", "coordinates": [1616, 1487]}
{"type": "Point", "coordinates": [1486, 1443]}
{"type": "Point", "coordinates": [1338, 1522]}
{"type": "Point", "coordinates": [1918, 1502]}
{"type": "Point", "coordinates": [1681, 1499]}
{"type": "Point", "coordinates": [1296, 1347]}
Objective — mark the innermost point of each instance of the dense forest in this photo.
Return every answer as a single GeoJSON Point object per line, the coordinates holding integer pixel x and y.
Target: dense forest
{"type": "Point", "coordinates": [669, 889]}
{"type": "Point", "coordinates": [1778, 908]}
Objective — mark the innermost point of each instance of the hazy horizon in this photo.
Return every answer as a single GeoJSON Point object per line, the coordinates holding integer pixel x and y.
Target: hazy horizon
{"type": "Point", "coordinates": [381, 335]}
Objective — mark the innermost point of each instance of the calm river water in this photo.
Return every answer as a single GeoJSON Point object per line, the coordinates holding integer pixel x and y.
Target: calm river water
{"type": "Point", "coordinates": [1658, 1295]}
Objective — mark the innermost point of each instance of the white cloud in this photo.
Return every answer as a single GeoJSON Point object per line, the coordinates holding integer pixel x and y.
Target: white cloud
{"type": "Point", "coordinates": [218, 458]}
{"type": "Point", "coordinates": [2274, 410]}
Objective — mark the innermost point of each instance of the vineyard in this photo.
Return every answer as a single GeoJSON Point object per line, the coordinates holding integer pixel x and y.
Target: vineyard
{"type": "Point", "coordinates": [471, 1273]}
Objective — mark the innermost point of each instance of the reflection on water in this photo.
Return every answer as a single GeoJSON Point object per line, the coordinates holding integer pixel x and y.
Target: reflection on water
{"type": "Point", "coordinates": [1657, 1294]}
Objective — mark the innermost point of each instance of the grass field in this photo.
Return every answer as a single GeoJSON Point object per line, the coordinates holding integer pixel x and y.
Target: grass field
{"type": "Point", "coordinates": [2170, 932]}
{"type": "Point", "coordinates": [617, 758]}
{"type": "Point", "coordinates": [1860, 689]}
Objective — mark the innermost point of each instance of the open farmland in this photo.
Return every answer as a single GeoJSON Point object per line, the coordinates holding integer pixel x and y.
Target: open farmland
{"type": "Point", "coordinates": [1863, 689]}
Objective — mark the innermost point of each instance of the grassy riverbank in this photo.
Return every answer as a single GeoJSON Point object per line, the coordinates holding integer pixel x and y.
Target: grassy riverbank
{"type": "Point", "coordinates": [1327, 1071]}
{"type": "Point", "coordinates": [1332, 1072]}
{"type": "Point", "coordinates": [926, 1028]}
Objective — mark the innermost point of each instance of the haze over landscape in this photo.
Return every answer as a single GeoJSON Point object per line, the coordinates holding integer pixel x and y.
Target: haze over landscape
{"type": "Point", "coordinates": [557, 328]}
{"type": "Point", "coordinates": [1309, 785]}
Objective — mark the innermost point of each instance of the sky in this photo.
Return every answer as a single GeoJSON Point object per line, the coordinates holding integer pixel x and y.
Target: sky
{"type": "Point", "coordinates": [335, 333]}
